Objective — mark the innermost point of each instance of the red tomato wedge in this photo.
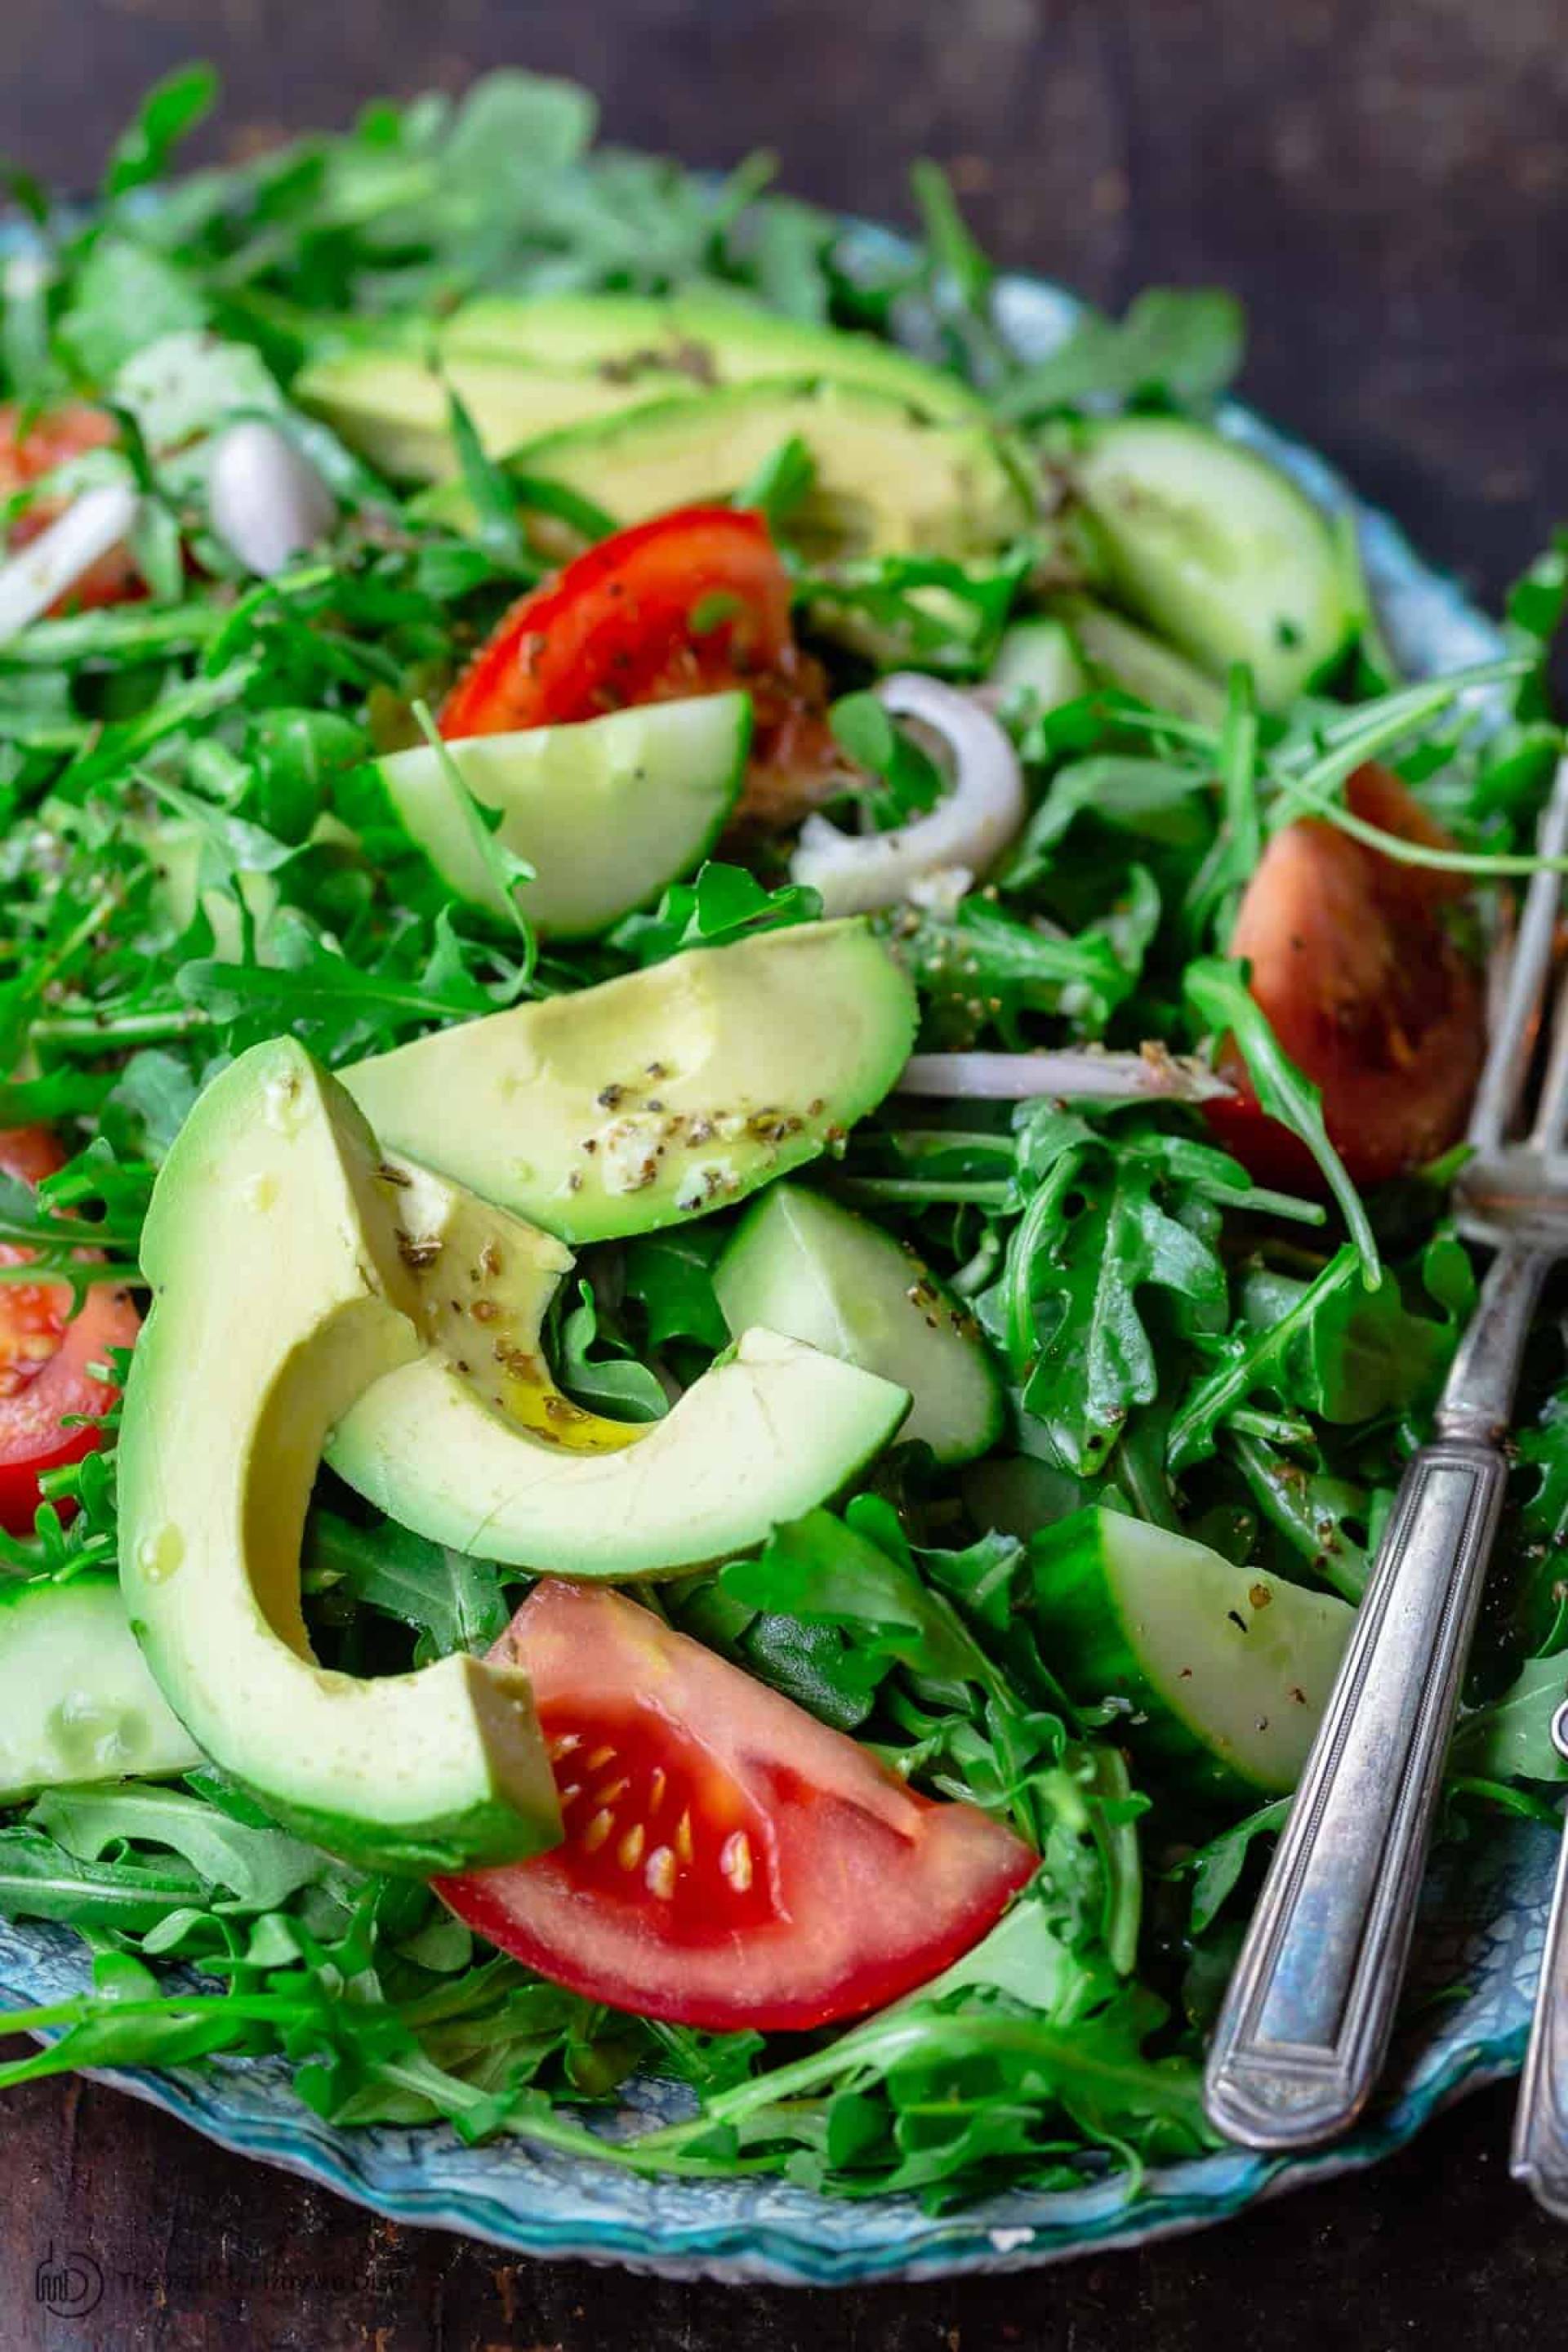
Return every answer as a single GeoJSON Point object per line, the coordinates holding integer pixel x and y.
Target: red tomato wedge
{"type": "Point", "coordinates": [693, 602]}
{"type": "Point", "coordinates": [45, 1352]}
{"type": "Point", "coordinates": [47, 441]}
{"type": "Point", "coordinates": [1365, 989]}
{"type": "Point", "coordinates": [728, 1860]}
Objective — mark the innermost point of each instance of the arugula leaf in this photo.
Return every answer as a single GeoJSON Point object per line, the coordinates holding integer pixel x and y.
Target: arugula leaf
{"type": "Point", "coordinates": [1106, 1218]}
{"type": "Point", "coordinates": [170, 111]}
{"type": "Point", "coordinates": [725, 903]}
{"type": "Point", "coordinates": [125, 296]}
{"type": "Point", "coordinates": [258, 1869]}
{"type": "Point", "coordinates": [911, 778]}
{"type": "Point", "coordinates": [490, 493]}
{"type": "Point", "coordinates": [453, 1600]}
{"type": "Point", "coordinates": [1215, 1869]}
{"type": "Point", "coordinates": [669, 1277]}
{"type": "Point", "coordinates": [1181, 346]}
{"type": "Point", "coordinates": [1510, 1739]}
{"type": "Point", "coordinates": [615, 1379]}
{"type": "Point", "coordinates": [1220, 997]}
{"type": "Point", "coordinates": [780, 484]}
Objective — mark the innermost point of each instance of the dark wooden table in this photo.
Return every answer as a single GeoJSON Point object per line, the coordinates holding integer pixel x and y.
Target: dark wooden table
{"type": "Point", "coordinates": [1384, 181]}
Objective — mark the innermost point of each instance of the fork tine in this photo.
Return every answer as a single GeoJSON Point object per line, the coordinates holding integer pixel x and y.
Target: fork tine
{"type": "Point", "coordinates": [1509, 1053]}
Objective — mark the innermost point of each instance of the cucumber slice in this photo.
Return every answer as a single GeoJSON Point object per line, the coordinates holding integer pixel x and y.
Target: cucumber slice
{"type": "Point", "coordinates": [77, 1701]}
{"type": "Point", "coordinates": [1217, 550]}
{"type": "Point", "coordinates": [606, 811]}
{"type": "Point", "coordinates": [802, 1266]}
{"type": "Point", "coordinates": [1128, 657]}
{"type": "Point", "coordinates": [1037, 656]}
{"type": "Point", "coordinates": [1226, 1671]}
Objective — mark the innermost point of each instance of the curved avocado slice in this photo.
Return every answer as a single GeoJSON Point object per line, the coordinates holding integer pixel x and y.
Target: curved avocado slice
{"type": "Point", "coordinates": [650, 1098]}
{"type": "Point", "coordinates": [392, 404]}
{"type": "Point", "coordinates": [476, 1447]}
{"type": "Point", "coordinates": [651, 787]}
{"type": "Point", "coordinates": [279, 1293]}
{"type": "Point", "coordinates": [656, 344]}
{"type": "Point", "coordinates": [887, 480]}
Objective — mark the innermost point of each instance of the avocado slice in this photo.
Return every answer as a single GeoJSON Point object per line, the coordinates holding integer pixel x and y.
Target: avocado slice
{"type": "Point", "coordinates": [887, 481]}
{"type": "Point", "coordinates": [649, 1099]}
{"type": "Point", "coordinates": [650, 788]}
{"type": "Point", "coordinates": [475, 1446]}
{"type": "Point", "coordinates": [652, 344]}
{"type": "Point", "coordinates": [390, 402]}
{"type": "Point", "coordinates": [279, 1293]}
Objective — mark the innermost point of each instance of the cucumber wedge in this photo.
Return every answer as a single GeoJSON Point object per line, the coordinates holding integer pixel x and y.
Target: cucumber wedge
{"type": "Point", "coordinates": [77, 1701]}
{"type": "Point", "coordinates": [801, 1265]}
{"type": "Point", "coordinates": [1037, 656]}
{"type": "Point", "coordinates": [1225, 1672]}
{"type": "Point", "coordinates": [1216, 549]}
{"type": "Point", "coordinates": [1116, 651]}
{"type": "Point", "coordinates": [606, 811]}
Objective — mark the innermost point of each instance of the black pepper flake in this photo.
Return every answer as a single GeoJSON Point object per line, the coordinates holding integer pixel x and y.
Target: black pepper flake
{"type": "Point", "coordinates": [1236, 1618]}
{"type": "Point", "coordinates": [608, 1097]}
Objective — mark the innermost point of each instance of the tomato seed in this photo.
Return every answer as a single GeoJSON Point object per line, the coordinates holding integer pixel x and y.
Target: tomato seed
{"type": "Point", "coordinates": [597, 1830]}
{"type": "Point", "coordinates": [628, 1853]}
{"type": "Point", "coordinates": [660, 1875]}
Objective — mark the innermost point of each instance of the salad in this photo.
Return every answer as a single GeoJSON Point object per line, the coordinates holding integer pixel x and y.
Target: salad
{"type": "Point", "coordinates": [735, 1033]}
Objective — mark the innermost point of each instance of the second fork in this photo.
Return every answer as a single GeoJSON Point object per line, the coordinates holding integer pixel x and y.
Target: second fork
{"type": "Point", "coordinates": [1306, 2022]}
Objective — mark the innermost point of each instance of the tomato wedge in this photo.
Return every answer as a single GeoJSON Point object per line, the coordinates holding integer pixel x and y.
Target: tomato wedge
{"type": "Point", "coordinates": [45, 1354]}
{"type": "Point", "coordinates": [728, 1860]}
{"type": "Point", "coordinates": [31, 448]}
{"type": "Point", "coordinates": [691, 603]}
{"type": "Point", "coordinates": [1365, 989]}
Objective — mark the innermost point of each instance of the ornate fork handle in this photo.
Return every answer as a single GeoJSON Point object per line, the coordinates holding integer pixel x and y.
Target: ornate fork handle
{"type": "Point", "coordinates": [1307, 2019]}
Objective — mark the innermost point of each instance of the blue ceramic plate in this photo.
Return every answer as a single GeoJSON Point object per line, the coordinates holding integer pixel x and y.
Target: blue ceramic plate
{"type": "Point", "coordinates": [1483, 1917]}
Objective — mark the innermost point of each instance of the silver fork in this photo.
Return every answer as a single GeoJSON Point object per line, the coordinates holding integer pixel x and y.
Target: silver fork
{"type": "Point", "coordinates": [1306, 2022]}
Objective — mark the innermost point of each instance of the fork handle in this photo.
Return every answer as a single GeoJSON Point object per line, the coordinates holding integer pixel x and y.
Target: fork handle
{"type": "Point", "coordinates": [1539, 2155]}
{"type": "Point", "coordinates": [1307, 2017]}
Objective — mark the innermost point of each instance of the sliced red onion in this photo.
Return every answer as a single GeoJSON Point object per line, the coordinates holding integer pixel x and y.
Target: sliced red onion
{"type": "Point", "coordinates": [967, 830]}
{"type": "Point", "coordinates": [268, 503]}
{"type": "Point", "coordinates": [1077, 1075]}
{"type": "Point", "coordinates": [51, 565]}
